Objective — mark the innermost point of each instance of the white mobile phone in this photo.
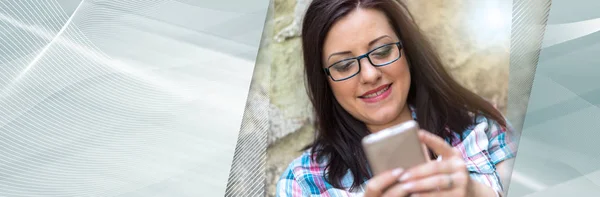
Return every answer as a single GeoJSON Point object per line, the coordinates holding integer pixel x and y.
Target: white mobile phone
{"type": "Point", "coordinates": [395, 147]}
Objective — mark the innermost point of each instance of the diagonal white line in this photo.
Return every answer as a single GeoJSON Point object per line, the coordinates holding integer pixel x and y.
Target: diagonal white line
{"type": "Point", "coordinates": [560, 33]}
{"type": "Point", "coordinates": [527, 181]}
{"type": "Point", "coordinates": [97, 56]}
{"type": "Point", "coordinates": [40, 32]}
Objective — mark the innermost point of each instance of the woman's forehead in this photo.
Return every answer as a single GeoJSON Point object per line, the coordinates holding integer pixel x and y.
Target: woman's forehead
{"type": "Point", "coordinates": [358, 29]}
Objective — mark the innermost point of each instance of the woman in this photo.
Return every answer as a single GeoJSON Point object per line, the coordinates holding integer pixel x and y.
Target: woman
{"type": "Point", "coordinates": [369, 67]}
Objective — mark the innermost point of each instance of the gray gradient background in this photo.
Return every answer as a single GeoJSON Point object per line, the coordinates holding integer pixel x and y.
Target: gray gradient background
{"type": "Point", "coordinates": [247, 175]}
{"type": "Point", "coordinates": [129, 98]}
{"type": "Point", "coordinates": [559, 150]}
{"type": "Point", "coordinates": [123, 98]}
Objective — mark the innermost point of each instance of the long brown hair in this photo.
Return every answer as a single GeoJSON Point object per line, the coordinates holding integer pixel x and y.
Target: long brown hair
{"type": "Point", "coordinates": [440, 101]}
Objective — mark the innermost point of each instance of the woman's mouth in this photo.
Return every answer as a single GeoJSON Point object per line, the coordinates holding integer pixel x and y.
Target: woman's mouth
{"type": "Point", "coordinates": [377, 94]}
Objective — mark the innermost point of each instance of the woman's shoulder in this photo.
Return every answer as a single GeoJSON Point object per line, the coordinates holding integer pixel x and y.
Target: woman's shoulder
{"type": "Point", "coordinates": [304, 165]}
{"type": "Point", "coordinates": [484, 125]}
{"type": "Point", "coordinates": [302, 175]}
{"type": "Point", "coordinates": [305, 176]}
{"type": "Point", "coordinates": [487, 138]}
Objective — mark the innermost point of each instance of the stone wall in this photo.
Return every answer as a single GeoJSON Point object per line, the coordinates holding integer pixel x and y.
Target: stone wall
{"type": "Point", "coordinates": [476, 56]}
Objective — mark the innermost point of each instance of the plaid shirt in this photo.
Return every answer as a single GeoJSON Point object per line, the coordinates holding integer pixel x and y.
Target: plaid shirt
{"type": "Point", "coordinates": [484, 145]}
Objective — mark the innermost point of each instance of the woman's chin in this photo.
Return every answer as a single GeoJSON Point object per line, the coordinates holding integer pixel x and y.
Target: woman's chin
{"type": "Point", "coordinates": [384, 114]}
{"type": "Point", "coordinates": [382, 119]}
{"type": "Point", "coordinates": [381, 122]}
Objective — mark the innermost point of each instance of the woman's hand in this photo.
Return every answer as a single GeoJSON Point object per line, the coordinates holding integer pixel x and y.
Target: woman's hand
{"type": "Point", "coordinates": [448, 177]}
{"type": "Point", "coordinates": [434, 178]}
{"type": "Point", "coordinates": [378, 185]}
{"type": "Point", "coordinates": [440, 178]}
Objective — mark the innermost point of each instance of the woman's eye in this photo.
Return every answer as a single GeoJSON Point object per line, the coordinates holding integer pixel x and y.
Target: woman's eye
{"type": "Point", "coordinates": [382, 52]}
{"type": "Point", "coordinates": [344, 66]}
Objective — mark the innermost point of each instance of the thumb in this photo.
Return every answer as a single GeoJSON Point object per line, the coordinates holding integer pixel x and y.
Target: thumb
{"type": "Point", "coordinates": [438, 145]}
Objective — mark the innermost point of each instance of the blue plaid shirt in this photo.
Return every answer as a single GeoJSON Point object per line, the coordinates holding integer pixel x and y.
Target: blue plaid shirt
{"type": "Point", "coordinates": [484, 145]}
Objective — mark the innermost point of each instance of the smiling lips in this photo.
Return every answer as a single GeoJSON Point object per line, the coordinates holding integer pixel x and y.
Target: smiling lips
{"type": "Point", "coordinates": [377, 94]}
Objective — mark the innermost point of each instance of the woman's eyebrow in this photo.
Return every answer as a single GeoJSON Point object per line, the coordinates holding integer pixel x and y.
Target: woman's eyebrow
{"type": "Point", "coordinates": [377, 39]}
{"type": "Point", "coordinates": [370, 44]}
{"type": "Point", "coordinates": [338, 53]}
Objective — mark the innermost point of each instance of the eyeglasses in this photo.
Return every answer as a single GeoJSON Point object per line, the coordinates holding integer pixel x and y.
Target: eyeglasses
{"type": "Point", "coordinates": [380, 56]}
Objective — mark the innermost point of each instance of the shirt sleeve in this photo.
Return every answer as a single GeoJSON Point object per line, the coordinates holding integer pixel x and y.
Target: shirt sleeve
{"type": "Point", "coordinates": [486, 144]}
{"type": "Point", "coordinates": [288, 186]}
{"type": "Point", "coordinates": [502, 142]}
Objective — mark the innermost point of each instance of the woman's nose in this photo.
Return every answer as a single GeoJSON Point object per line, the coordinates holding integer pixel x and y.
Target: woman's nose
{"type": "Point", "coordinates": [369, 73]}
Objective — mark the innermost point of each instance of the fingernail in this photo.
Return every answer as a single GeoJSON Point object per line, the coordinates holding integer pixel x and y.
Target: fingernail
{"type": "Point", "coordinates": [397, 172]}
{"type": "Point", "coordinates": [408, 186]}
{"type": "Point", "coordinates": [404, 177]}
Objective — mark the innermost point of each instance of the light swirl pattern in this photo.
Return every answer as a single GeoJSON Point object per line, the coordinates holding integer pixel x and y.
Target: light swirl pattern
{"type": "Point", "coordinates": [558, 149]}
{"type": "Point", "coordinates": [122, 98]}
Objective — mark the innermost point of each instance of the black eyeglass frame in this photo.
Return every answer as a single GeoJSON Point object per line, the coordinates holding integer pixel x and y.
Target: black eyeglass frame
{"type": "Point", "coordinates": [366, 55]}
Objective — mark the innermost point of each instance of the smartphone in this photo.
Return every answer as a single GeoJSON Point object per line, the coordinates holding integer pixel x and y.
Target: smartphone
{"type": "Point", "coordinates": [394, 147]}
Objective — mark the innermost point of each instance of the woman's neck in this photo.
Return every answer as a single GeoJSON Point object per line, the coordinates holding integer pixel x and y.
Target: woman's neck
{"type": "Point", "coordinates": [405, 115]}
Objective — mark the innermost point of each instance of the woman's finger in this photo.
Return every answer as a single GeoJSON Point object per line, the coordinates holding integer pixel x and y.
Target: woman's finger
{"type": "Point", "coordinates": [429, 169]}
{"type": "Point", "coordinates": [395, 191]}
{"type": "Point", "coordinates": [433, 183]}
{"type": "Point", "coordinates": [378, 184]}
{"type": "Point", "coordinates": [426, 152]}
{"type": "Point", "coordinates": [438, 145]}
{"type": "Point", "coordinates": [441, 193]}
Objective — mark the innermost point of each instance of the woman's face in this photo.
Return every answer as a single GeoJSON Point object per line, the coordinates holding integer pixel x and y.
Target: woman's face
{"type": "Point", "coordinates": [376, 95]}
